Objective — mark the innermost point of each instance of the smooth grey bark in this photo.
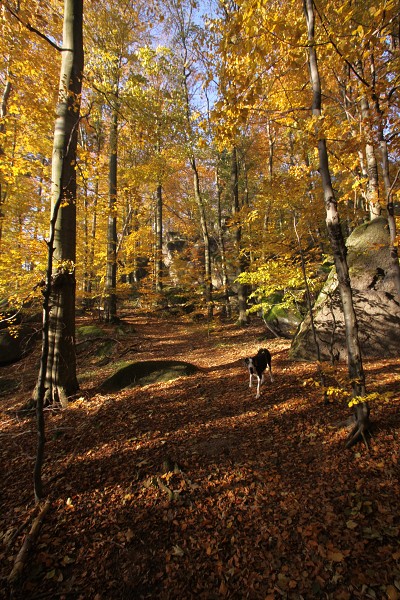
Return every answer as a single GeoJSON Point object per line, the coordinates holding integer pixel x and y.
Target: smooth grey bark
{"type": "Point", "coordinates": [61, 381]}
{"type": "Point", "coordinates": [388, 186]}
{"type": "Point", "coordinates": [372, 194]}
{"type": "Point", "coordinates": [355, 366]}
{"type": "Point", "coordinates": [57, 374]}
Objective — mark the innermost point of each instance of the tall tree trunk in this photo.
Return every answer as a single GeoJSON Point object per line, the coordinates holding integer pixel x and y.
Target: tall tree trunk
{"type": "Point", "coordinates": [57, 374]}
{"type": "Point", "coordinates": [221, 242]}
{"type": "Point", "coordinates": [61, 380]}
{"type": "Point", "coordinates": [3, 114]}
{"type": "Point", "coordinates": [206, 239]}
{"type": "Point", "coordinates": [388, 188]}
{"type": "Point", "coordinates": [110, 288]}
{"type": "Point", "coordinates": [193, 163]}
{"type": "Point", "coordinates": [159, 239]}
{"type": "Point", "coordinates": [92, 230]}
{"type": "Point", "coordinates": [394, 256]}
{"type": "Point", "coordinates": [243, 318]}
{"type": "Point", "coordinates": [355, 366]}
{"type": "Point", "coordinates": [372, 196]}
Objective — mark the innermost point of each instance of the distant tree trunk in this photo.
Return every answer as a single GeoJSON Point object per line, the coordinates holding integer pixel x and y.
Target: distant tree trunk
{"type": "Point", "coordinates": [182, 36]}
{"type": "Point", "coordinates": [221, 242]}
{"type": "Point", "coordinates": [159, 240]}
{"type": "Point", "coordinates": [355, 366]}
{"type": "Point", "coordinates": [206, 239]}
{"type": "Point", "coordinates": [110, 287]}
{"type": "Point", "coordinates": [3, 114]}
{"type": "Point", "coordinates": [390, 211]}
{"type": "Point", "coordinates": [372, 196]}
{"type": "Point", "coordinates": [243, 318]}
{"type": "Point", "coordinates": [90, 246]}
{"type": "Point", "coordinates": [388, 188]}
{"type": "Point", "coordinates": [91, 228]}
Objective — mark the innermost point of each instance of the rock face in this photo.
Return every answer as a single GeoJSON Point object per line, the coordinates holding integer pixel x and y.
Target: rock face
{"type": "Point", "coordinates": [376, 301]}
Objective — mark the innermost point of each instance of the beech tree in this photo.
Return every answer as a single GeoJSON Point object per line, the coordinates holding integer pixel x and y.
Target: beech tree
{"type": "Point", "coordinates": [57, 374]}
{"type": "Point", "coordinates": [59, 380]}
{"type": "Point", "coordinates": [355, 366]}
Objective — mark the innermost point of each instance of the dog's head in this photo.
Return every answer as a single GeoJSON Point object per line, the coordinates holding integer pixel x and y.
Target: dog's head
{"type": "Point", "coordinates": [249, 364]}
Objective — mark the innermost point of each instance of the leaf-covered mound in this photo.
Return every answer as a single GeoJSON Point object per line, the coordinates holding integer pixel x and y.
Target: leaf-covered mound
{"type": "Point", "coordinates": [146, 372]}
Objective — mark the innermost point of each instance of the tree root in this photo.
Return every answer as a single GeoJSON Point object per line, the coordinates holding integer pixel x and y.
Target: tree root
{"type": "Point", "coordinates": [362, 426]}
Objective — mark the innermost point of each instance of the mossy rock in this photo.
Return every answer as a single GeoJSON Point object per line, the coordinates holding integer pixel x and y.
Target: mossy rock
{"type": "Point", "coordinates": [89, 331]}
{"type": "Point", "coordinates": [146, 372]}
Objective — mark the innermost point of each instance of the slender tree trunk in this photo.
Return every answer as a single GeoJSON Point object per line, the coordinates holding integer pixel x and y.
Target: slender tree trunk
{"type": "Point", "coordinates": [3, 114]}
{"type": "Point", "coordinates": [221, 242]}
{"type": "Point", "coordinates": [91, 226]}
{"type": "Point", "coordinates": [159, 239]}
{"type": "Point", "coordinates": [206, 239]}
{"type": "Point", "coordinates": [110, 291]}
{"type": "Point", "coordinates": [196, 178]}
{"type": "Point", "coordinates": [374, 207]}
{"type": "Point", "coordinates": [355, 366]}
{"type": "Point", "coordinates": [310, 309]}
{"type": "Point", "coordinates": [243, 318]}
{"type": "Point", "coordinates": [390, 212]}
{"type": "Point", "coordinates": [388, 191]}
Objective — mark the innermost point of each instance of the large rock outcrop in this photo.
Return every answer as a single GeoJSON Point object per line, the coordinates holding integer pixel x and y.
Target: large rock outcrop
{"type": "Point", "coordinates": [376, 301]}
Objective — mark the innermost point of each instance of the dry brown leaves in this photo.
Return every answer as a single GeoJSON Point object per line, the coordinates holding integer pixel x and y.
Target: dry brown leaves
{"type": "Point", "coordinates": [195, 489]}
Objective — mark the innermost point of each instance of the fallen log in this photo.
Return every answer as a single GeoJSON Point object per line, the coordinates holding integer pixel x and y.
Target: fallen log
{"type": "Point", "coordinates": [28, 543]}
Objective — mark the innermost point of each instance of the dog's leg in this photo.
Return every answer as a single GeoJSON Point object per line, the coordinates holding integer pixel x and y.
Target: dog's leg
{"type": "Point", "coordinates": [259, 380]}
{"type": "Point", "coordinates": [270, 372]}
{"type": "Point", "coordinates": [251, 379]}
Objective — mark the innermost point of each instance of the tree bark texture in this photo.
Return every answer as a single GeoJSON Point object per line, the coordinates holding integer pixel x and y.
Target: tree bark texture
{"type": "Point", "coordinates": [241, 259]}
{"type": "Point", "coordinates": [159, 239]}
{"type": "Point", "coordinates": [389, 196]}
{"type": "Point", "coordinates": [355, 366]}
{"type": "Point", "coordinates": [3, 113]}
{"type": "Point", "coordinates": [110, 295]}
{"type": "Point", "coordinates": [372, 195]}
{"type": "Point", "coordinates": [222, 250]}
{"type": "Point", "coordinates": [206, 239]}
{"type": "Point", "coordinates": [61, 379]}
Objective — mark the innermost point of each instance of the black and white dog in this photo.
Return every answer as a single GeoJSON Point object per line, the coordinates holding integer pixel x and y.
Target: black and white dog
{"type": "Point", "coordinates": [257, 365]}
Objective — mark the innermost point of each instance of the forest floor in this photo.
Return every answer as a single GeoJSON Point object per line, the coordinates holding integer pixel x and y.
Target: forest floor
{"type": "Point", "coordinates": [194, 488]}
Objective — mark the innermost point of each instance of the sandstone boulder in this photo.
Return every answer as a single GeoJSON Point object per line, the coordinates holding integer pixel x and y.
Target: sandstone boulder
{"type": "Point", "coordinates": [376, 301]}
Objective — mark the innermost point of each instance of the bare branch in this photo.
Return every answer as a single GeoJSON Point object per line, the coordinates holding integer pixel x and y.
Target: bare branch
{"type": "Point", "coordinates": [30, 27]}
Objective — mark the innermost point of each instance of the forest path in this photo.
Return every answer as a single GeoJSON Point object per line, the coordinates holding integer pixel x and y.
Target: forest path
{"type": "Point", "coordinates": [194, 488]}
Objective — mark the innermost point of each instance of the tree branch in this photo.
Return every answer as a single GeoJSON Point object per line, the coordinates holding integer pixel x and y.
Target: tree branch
{"type": "Point", "coordinates": [30, 27]}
